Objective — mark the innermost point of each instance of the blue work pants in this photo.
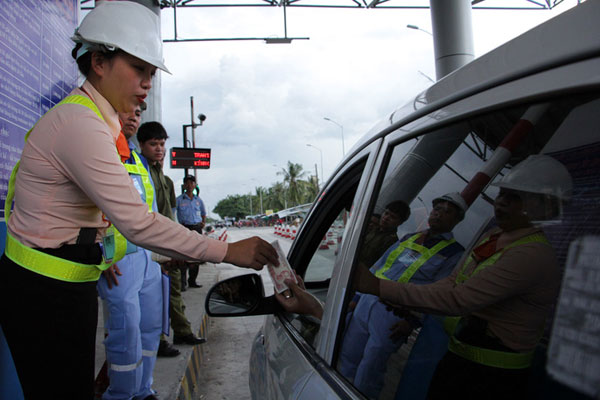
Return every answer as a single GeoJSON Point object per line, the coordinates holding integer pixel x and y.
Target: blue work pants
{"type": "Point", "coordinates": [428, 350]}
{"type": "Point", "coordinates": [367, 345]}
{"type": "Point", "coordinates": [134, 325]}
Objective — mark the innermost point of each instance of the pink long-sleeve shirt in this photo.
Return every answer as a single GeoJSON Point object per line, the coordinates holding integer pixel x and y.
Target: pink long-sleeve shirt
{"type": "Point", "coordinates": [71, 174]}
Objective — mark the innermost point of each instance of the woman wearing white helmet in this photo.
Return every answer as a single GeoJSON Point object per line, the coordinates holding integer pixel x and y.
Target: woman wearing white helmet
{"type": "Point", "coordinates": [502, 293]}
{"type": "Point", "coordinates": [68, 187]}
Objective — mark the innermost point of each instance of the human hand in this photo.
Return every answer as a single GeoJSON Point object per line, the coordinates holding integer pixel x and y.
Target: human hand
{"type": "Point", "coordinates": [110, 274]}
{"type": "Point", "coordinates": [401, 330]}
{"type": "Point", "coordinates": [364, 281]}
{"type": "Point", "coordinates": [251, 253]}
{"type": "Point", "coordinates": [298, 300]}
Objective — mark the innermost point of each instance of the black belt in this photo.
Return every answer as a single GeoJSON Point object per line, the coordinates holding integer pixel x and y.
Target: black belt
{"type": "Point", "coordinates": [85, 251]}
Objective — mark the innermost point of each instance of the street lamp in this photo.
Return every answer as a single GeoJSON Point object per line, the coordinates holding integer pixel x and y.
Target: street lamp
{"type": "Point", "coordinates": [415, 27]}
{"type": "Point", "coordinates": [322, 176]}
{"type": "Point", "coordinates": [330, 120]}
{"type": "Point", "coordinates": [193, 125]}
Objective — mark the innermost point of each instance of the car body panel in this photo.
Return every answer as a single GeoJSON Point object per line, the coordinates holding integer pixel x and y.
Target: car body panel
{"type": "Point", "coordinates": [558, 58]}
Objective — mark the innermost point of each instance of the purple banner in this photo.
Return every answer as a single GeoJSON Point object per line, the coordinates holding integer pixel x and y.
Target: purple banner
{"type": "Point", "coordinates": [36, 71]}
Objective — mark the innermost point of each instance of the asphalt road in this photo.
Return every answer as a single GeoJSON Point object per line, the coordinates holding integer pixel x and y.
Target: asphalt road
{"type": "Point", "coordinates": [225, 372]}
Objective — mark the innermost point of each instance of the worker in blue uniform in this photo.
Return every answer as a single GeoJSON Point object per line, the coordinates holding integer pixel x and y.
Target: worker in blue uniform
{"type": "Point", "coordinates": [374, 332]}
{"type": "Point", "coordinates": [132, 292]}
{"type": "Point", "coordinates": [191, 213]}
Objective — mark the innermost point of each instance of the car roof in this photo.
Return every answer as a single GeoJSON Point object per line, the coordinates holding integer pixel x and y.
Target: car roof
{"type": "Point", "coordinates": [569, 37]}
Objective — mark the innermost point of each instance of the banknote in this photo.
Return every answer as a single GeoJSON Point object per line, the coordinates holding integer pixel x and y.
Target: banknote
{"type": "Point", "coordinates": [282, 272]}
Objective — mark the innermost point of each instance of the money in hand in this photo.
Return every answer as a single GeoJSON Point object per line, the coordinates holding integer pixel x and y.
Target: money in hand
{"type": "Point", "coordinates": [282, 272]}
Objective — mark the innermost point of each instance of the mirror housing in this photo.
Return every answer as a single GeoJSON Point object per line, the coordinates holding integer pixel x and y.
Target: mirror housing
{"type": "Point", "coordinates": [240, 296]}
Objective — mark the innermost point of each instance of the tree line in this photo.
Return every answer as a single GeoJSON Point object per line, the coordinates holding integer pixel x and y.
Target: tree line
{"type": "Point", "coordinates": [292, 191]}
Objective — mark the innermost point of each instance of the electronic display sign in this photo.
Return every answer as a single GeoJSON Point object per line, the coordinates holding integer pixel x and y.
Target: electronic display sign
{"type": "Point", "coordinates": [188, 157]}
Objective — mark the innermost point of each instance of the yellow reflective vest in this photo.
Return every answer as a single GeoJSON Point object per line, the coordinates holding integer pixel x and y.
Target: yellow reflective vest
{"type": "Point", "coordinates": [46, 264]}
{"type": "Point", "coordinates": [488, 357]}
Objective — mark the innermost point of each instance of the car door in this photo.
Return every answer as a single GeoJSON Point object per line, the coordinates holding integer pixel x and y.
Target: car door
{"type": "Point", "coordinates": [287, 342]}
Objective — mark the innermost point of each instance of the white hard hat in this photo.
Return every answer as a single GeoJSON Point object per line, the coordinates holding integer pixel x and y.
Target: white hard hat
{"type": "Point", "coordinates": [539, 174]}
{"type": "Point", "coordinates": [456, 199]}
{"type": "Point", "coordinates": [123, 25]}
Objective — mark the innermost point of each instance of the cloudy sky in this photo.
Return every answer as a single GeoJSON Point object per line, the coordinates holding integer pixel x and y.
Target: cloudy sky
{"type": "Point", "coordinates": [265, 103]}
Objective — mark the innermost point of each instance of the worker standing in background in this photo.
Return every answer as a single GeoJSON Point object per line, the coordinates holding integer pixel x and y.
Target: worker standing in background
{"type": "Point", "coordinates": [132, 292]}
{"type": "Point", "coordinates": [68, 189]}
{"type": "Point", "coordinates": [191, 213]}
{"type": "Point", "coordinates": [152, 137]}
{"type": "Point", "coordinates": [419, 258]}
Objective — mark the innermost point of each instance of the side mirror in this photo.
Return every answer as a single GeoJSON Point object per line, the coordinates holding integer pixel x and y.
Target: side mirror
{"type": "Point", "coordinates": [240, 296]}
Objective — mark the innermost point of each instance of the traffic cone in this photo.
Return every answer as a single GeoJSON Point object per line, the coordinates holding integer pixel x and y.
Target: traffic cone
{"type": "Point", "coordinates": [324, 245]}
{"type": "Point", "coordinates": [330, 240]}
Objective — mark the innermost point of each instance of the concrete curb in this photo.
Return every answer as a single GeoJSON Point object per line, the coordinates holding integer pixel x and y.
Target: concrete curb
{"type": "Point", "coordinates": [188, 390]}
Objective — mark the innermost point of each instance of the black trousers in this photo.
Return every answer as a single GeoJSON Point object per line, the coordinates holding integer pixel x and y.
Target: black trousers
{"type": "Point", "coordinates": [458, 378]}
{"type": "Point", "coordinates": [50, 327]}
{"type": "Point", "coordinates": [192, 269]}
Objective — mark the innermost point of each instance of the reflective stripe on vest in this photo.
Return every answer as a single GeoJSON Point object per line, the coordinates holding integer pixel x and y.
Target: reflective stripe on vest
{"type": "Point", "coordinates": [139, 169]}
{"type": "Point", "coordinates": [480, 355]}
{"type": "Point", "coordinates": [37, 261]}
{"type": "Point", "coordinates": [134, 169]}
{"type": "Point", "coordinates": [462, 276]}
{"type": "Point", "coordinates": [425, 255]}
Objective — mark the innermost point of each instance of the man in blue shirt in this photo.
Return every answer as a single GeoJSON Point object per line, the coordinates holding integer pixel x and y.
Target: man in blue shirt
{"type": "Point", "coordinates": [419, 258]}
{"type": "Point", "coordinates": [191, 214]}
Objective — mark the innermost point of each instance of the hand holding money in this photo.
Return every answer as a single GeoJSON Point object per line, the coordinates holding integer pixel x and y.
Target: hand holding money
{"type": "Point", "coordinates": [280, 273]}
{"type": "Point", "coordinates": [298, 300]}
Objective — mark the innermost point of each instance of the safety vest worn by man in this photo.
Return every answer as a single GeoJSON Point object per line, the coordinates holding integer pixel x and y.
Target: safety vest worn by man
{"type": "Point", "coordinates": [425, 254]}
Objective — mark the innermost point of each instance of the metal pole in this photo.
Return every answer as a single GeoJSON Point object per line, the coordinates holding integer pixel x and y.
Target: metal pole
{"type": "Point", "coordinates": [452, 35]}
{"type": "Point", "coordinates": [284, 21]}
{"type": "Point", "coordinates": [317, 174]}
{"type": "Point", "coordinates": [175, 20]}
{"type": "Point", "coordinates": [185, 170]}
{"type": "Point", "coordinates": [193, 132]}
{"type": "Point", "coordinates": [322, 176]}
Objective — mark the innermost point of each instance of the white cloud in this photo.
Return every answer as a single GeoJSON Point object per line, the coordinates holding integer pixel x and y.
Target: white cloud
{"type": "Point", "coordinates": [264, 103]}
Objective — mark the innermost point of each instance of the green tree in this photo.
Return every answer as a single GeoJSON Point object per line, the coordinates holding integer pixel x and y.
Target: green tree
{"type": "Point", "coordinates": [261, 196]}
{"type": "Point", "coordinates": [310, 189]}
{"type": "Point", "coordinates": [291, 176]}
{"type": "Point", "coordinates": [277, 196]}
{"type": "Point", "coordinates": [233, 206]}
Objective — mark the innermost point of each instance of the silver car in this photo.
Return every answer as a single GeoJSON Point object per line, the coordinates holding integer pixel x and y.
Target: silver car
{"type": "Point", "coordinates": [538, 94]}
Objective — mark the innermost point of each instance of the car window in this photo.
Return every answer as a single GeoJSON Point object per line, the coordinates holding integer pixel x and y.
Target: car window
{"type": "Point", "coordinates": [318, 249]}
{"type": "Point", "coordinates": [435, 198]}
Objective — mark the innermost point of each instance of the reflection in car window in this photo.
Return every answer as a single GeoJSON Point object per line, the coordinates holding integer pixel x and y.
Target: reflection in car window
{"type": "Point", "coordinates": [544, 164]}
{"type": "Point", "coordinates": [321, 243]}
